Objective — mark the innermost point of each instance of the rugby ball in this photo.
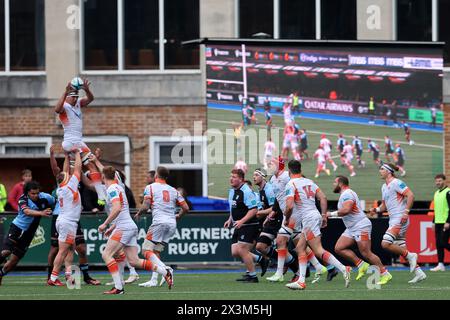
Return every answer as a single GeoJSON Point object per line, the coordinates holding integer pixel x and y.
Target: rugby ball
{"type": "Point", "coordinates": [76, 83]}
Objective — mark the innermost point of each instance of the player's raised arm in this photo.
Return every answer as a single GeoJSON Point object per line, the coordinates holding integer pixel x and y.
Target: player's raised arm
{"type": "Point", "coordinates": [77, 167]}
{"type": "Point", "coordinates": [89, 95]}
{"type": "Point", "coordinates": [60, 104]}
{"type": "Point", "coordinates": [53, 163]}
{"type": "Point", "coordinates": [66, 166]}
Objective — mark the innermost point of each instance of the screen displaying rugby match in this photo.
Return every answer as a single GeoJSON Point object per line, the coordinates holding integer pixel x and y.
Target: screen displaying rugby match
{"type": "Point", "coordinates": [383, 101]}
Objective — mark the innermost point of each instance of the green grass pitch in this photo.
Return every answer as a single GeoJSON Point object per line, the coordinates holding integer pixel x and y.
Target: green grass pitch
{"type": "Point", "coordinates": [222, 286]}
{"type": "Point", "coordinates": [424, 159]}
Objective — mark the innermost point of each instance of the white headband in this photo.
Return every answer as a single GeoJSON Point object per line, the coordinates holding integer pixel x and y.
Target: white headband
{"type": "Point", "coordinates": [388, 168]}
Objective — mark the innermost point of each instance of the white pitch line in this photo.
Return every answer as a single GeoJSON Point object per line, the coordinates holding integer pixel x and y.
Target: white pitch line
{"type": "Point", "coordinates": [173, 292]}
{"type": "Point", "coordinates": [336, 134]}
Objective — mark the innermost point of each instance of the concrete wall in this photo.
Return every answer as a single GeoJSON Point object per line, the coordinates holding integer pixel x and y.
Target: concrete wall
{"type": "Point", "coordinates": [160, 89]}
{"type": "Point", "coordinates": [61, 45]}
{"type": "Point", "coordinates": [217, 18]}
{"type": "Point", "coordinates": [374, 20]}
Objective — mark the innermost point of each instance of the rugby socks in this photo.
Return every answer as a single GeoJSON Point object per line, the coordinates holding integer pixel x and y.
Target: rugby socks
{"type": "Point", "coordinates": [314, 261]}
{"type": "Point", "coordinates": [149, 266]}
{"type": "Point", "coordinates": [272, 253]}
{"type": "Point", "coordinates": [154, 276]}
{"type": "Point", "coordinates": [150, 255]}
{"type": "Point", "coordinates": [84, 267]}
{"type": "Point", "coordinates": [131, 268]}
{"type": "Point", "coordinates": [330, 259]}
{"type": "Point", "coordinates": [302, 262]}
{"type": "Point", "coordinates": [256, 258]}
{"type": "Point", "coordinates": [359, 263]}
{"type": "Point", "coordinates": [282, 253]}
{"type": "Point", "coordinates": [54, 276]}
{"type": "Point", "coordinates": [49, 271]}
{"type": "Point", "coordinates": [292, 261]}
{"type": "Point", "coordinates": [113, 268]}
{"type": "Point", "coordinates": [121, 262]}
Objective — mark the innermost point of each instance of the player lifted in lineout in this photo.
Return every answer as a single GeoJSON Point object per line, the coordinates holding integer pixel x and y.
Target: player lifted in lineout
{"type": "Point", "coordinates": [69, 108]}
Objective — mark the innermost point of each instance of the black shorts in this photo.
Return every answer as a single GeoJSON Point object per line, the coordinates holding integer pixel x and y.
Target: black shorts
{"type": "Point", "coordinates": [303, 146]}
{"type": "Point", "coordinates": [18, 241]}
{"type": "Point", "coordinates": [246, 233]}
{"type": "Point", "coordinates": [359, 152]}
{"type": "Point", "coordinates": [272, 227]}
{"type": "Point", "coordinates": [79, 238]}
{"type": "Point", "coordinates": [376, 155]}
{"type": "Point", "coordinates": [400, 162]}
{"type": "Point", "coordinates": [389, 151]}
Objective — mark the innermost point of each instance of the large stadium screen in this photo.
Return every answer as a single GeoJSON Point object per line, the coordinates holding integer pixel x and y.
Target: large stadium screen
{"type": "Point", "coordinates": [375, 92]}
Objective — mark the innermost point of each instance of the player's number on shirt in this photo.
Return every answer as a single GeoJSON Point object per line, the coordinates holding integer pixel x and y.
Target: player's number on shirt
{"type": "Point", "coordinates": [166, 196]}
{"type": "Point", "coordinates": [309, 193]}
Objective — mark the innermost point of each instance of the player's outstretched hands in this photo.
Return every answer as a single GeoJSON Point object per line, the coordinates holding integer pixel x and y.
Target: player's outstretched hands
{"type": "Point", "coordinates": [86, 84]}
{"type": "Point", "coordinates": [69, 88]}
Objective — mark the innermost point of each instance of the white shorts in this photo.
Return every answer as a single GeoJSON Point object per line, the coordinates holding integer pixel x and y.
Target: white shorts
{"type": "Point", "coordinates": [289, 121]}
{"type": "Point", "coordinates": [69, 145]}
{"type": "Point", "coordinates": [311, 226]}
{"type": "Point", "coordinates": [327, 155]}
{"type": "Point", "coordinates": [286, 143]}
{"type": "Point", "coordinates": [396, 229]}
{"type": "Point", "coordinates": [361, 231]}
{"type": "Point", "coordinates": [67, 231]}
{"type": "Point", "coordinates": [293, 229]}
{"type": "Point", "coordinates": [161, 232]}
{"type": "Point", "coordinates": [127, 237]}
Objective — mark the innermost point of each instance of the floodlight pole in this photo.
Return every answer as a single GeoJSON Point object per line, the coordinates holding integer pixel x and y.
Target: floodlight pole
{"type": "Point", "coordinates": [244, 70]}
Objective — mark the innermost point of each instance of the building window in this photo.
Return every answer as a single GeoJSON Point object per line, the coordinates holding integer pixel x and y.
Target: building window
{"type": "Point", "coordinates": [115, 151]}
{"type": "Point", "coordinates": [186, 15]}
{"type": "Point", "coordinates": [297, 19]}
{"type": "Point", "coordinates": [414, 20]}
{"type": "Point", "coordinates": [24, 149]}
{"type": "Point", "coordinates": [255, 16]}
{"type": "Point", "coordinates": [151, 30]}
{"type": "Point", "coordinates": [141, 34]}
{"type": "Point", "coordinates": [23, 21]}
{"type": "Point", "coordinates": [27, 35]}
{"type": "Point", "coordinates": [444, 28]}
{"type": "Point", "coordinates": [24, 146]}
{"type": "Point", "coordinates": [100, 34]}
{"type": "Point", "coordinates": [185, 158]}
{"type": "Point", "coordinates": [338, 19]}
